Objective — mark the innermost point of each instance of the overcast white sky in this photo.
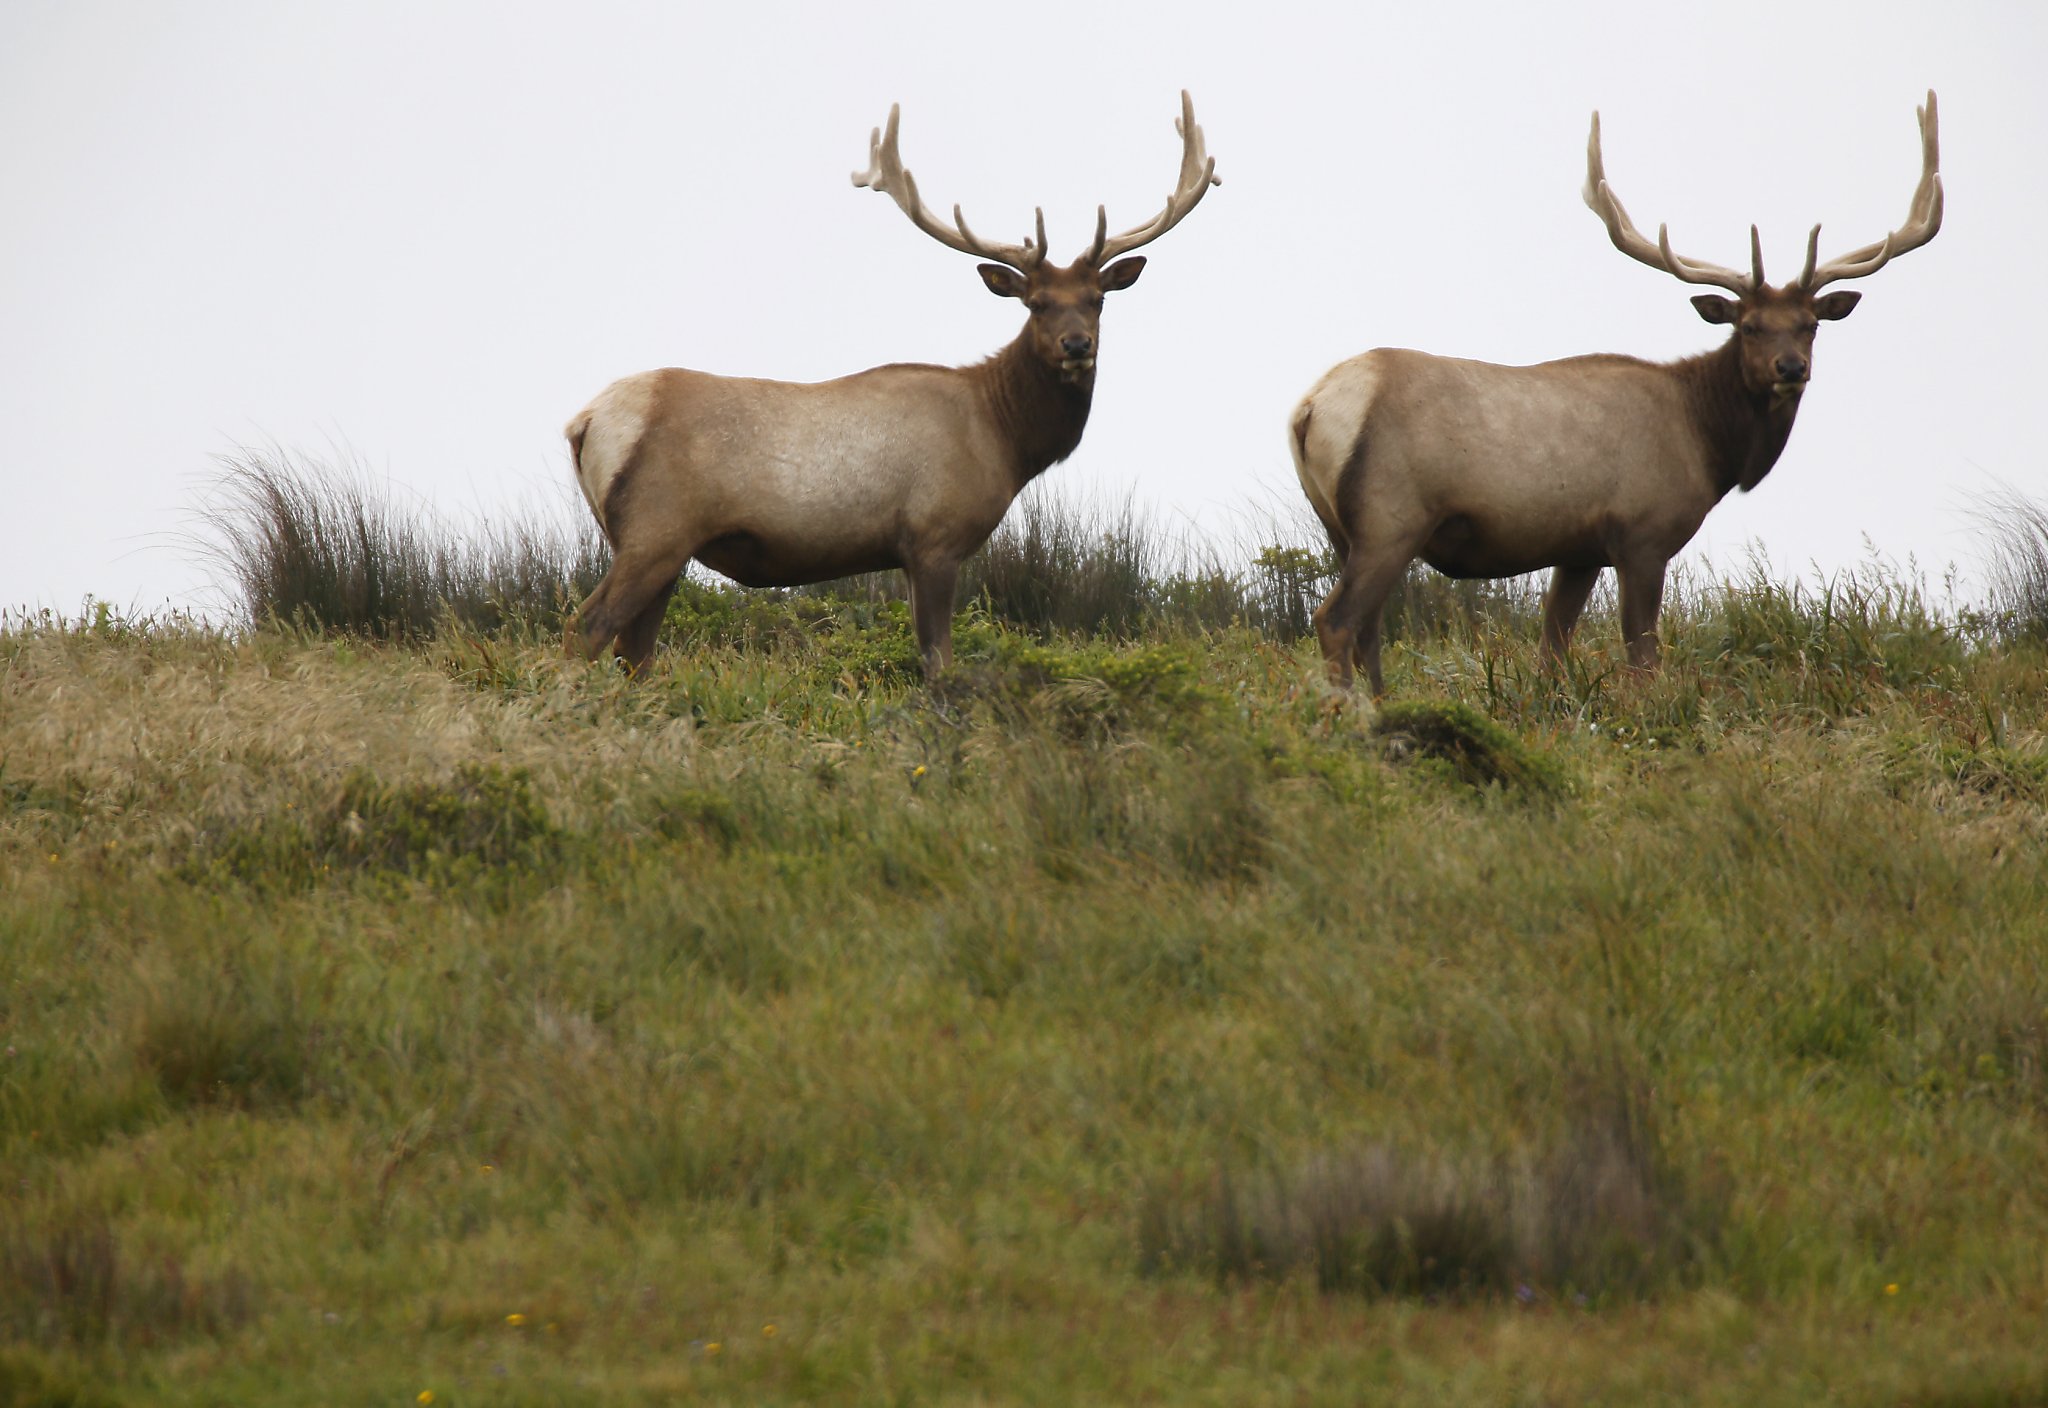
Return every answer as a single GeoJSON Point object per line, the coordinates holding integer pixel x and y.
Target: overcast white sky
{"type": "Point", "coordinates": [433, 231]}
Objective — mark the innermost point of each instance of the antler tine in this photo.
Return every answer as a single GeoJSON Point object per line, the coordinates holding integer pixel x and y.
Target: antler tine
{"type": "Point", "coordinates": [1923, 218]}
{"type": "Point", "coordinates": [1812, 251]}
{"type": "Point", "coordinates": [887, 174]}
{"type": "Point", "coordinates": [1093, 254]}
{"type": "Point", "coordinates": [1197, 175]}
{"type": "Point", "coordinates": [1603, 202]}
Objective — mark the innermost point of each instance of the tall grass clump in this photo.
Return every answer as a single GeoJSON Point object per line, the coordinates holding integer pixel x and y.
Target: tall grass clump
{"type": "Point", "coordinates": [1060, 566]}
{"type": "Point", "coordinates": [320, 545]}
{"type": "Point", "coordinates": [1870, 624]}
{"type": "Point", "coordinates": [1054, 566]}
{"type": "Point", "coordinates": [2015, 530]}
{"type": "Point", "coordinates": [1595, 1214]}
{"type": "Point", "coordinates": [73, 1282]}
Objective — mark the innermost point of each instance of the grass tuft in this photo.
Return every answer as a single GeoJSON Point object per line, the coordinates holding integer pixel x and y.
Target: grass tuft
{"type": "Point", "coordinates": [1477, 751]}
{"type": "Point", "coordinates": [321, 545]}
{"type": "Point", "coordinates": [74, 1283]}
{"type": "Point", "coordinates": [2014, 528]}
{"type": "Point", "coordinates": [1596, 1216]}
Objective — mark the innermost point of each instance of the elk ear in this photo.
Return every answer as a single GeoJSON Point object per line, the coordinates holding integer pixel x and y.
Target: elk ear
{"type": "Point", "coordinates": [1002, 280]}
{"type": "Point", "coordinates": [1835, 306]}
{"type": "Point", "coordinates": [1714, 308]}
{"type": "Point", "coordinates": [1123, 273]}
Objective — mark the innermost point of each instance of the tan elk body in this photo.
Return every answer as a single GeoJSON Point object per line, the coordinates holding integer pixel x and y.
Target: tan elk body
{"type": "Point", "coordinates": [1575, 465]}
{"type": "Point", "coordinates": [780, 483]}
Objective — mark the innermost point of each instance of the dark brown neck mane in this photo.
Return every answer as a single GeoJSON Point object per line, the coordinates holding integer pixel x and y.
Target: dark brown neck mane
{"type": "Point", "coordinates": [1744, 431]}
{"type": "Point", "coordinates": [1041, 416]}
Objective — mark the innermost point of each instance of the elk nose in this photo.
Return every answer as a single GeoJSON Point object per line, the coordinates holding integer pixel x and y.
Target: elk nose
{"type": "Point", "coordinates": [1791, 368]}
{"type": "Point", "coordinates": [1076, 344]}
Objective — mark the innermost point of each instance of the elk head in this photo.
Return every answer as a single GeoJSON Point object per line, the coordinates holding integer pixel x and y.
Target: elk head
{"type": "Point", "coordinates": [1065, 303]}
{"type": "Point", "coordinates": [1774, 327]}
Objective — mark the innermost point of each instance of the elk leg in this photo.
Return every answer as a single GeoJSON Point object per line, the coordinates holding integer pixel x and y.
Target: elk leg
{"type": "Point", "coordinates": [1348, 622]}
{"type": "Point", "coordinates": [1562, 605]}
{"type": "Point", "coordinates": [1642, 597]}
{"type": "Point", "coordinates": [931, 611]}
{"type": "Point", "coordinates": [636, 582]}
{"type": "Point", "coordinates": [636, 642]}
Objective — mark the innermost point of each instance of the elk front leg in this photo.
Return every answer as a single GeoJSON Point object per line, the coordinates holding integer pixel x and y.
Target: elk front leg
{"type": "Point", "coordinates": [931, 611]}
{"type": "Point", "coordinates": [1642, 597]}
{"type": "Point", "coordinates": [1562, 606]}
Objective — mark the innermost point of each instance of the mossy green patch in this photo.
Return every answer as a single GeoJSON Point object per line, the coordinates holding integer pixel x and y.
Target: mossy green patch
{"type": "Point", "coordinates": [1477, 751]}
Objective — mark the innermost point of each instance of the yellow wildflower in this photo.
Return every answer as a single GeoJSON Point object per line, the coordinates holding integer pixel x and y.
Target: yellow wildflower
{"type": "Point", "coordinates": [768, 1332]}
{"type": "Point", "coordinates": [515, 1319]}
{"type": "Point", "coordinates": [713, 1347]}
{"type": "Point", "coordinates": [425, 1395]}
{"type": "Point", "coordinates": [1892, 1289]}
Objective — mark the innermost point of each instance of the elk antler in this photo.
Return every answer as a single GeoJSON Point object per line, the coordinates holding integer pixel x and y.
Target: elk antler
{"type": "Point", "coordinates": [1602, 201]}
{"type": "Point", "coordinates": [1197, 175]}
{"type": "Point", "coordinates": [886, 173]}
{"type": "Point", "coordinates": [1923, 218]}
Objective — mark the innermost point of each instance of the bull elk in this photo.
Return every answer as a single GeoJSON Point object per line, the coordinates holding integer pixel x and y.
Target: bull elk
{"type": "Point", "coordinates": [778, 484]}
{"type": "Point", "coordinates": [1575, 465]}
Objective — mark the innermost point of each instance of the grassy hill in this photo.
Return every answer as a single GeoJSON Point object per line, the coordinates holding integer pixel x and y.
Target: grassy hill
{"type": "Point", "coordinates": [1123, 1019]}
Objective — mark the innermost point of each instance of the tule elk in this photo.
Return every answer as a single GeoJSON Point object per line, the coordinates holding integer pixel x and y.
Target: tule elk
{"type": "Point", "coordinates": [777, 483]}
{"type": "Point", "coordinates": [1575, 465]}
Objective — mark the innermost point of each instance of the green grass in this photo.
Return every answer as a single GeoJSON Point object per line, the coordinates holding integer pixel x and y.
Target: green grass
{"type": "Point", "coordinates": [1114, 1021]}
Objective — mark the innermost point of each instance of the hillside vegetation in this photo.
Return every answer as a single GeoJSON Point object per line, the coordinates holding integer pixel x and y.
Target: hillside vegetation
{"type": "Point", "coordinates": [1122, 1019]}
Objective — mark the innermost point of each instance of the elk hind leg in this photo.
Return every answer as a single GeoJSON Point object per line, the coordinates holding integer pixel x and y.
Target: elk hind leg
{"type": "Point", "coordinates": [636, 642]}
{"type": "Point", "coordinates": [628, 604]}
{"type": "Point", "coordinates": [1348, 621]}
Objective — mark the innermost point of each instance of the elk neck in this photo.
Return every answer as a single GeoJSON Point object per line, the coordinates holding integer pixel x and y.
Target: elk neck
{"type": "Point", "coordinates": [1744, 431]}
{"type": "Point", "coordinates": [1041, 416]}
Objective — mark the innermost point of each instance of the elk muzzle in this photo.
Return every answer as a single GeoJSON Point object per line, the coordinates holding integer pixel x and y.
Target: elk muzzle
{"type": "Point", "coordinates": [1792, 373]}
{"type": "Point", "coordinates": [1077, 356]}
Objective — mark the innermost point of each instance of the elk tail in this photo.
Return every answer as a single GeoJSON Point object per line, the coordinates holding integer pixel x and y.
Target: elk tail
{"type": "Point", "coordinates": [576, 430]}
{"type": "Point", "coordinates": [1299, 425]}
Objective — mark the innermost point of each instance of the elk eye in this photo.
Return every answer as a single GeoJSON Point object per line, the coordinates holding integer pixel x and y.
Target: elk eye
{"type": "Point", "coordinates": [1810, 327]}
{"type": "Point", "coordinates": [1749, 329]}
